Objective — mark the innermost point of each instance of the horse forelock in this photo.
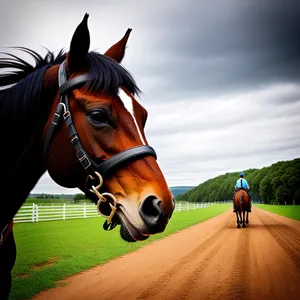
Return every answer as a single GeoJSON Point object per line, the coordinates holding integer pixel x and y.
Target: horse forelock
{"type": "Point", "coordinates": [106, 76]}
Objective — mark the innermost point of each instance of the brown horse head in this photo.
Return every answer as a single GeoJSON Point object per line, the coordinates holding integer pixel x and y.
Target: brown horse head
{"type": "Point", "coordinates": [241, 200]}
{"type": "Point", "coordinates": [108, 120]}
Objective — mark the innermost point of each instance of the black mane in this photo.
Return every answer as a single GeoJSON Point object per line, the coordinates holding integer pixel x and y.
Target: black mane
{"type": "Point", "coordinates": [20, 103]}
{"type": "Point", "coordinates": [22, 68]}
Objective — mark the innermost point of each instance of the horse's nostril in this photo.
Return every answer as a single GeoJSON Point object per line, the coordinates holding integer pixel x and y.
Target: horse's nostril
{"type": "Point", "coordinates": [152, 214]}
{"type": "Point", "coordinates": [151, 208]}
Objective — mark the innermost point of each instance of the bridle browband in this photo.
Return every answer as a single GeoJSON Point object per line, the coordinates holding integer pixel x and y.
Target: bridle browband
{"type": "Point", "coordinates": [90, 166]}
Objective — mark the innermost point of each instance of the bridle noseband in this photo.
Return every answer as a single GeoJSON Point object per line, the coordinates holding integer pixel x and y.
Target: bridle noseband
{"type": "Point", "coordinates": [90, 166]}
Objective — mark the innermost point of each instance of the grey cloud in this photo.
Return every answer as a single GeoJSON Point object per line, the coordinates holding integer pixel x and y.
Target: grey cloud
{"type": "Point", "coordinates": [213, 47]}
{"type": "Point", "coordinates": [245, 151]}
{"type": "Point", "coordinates": [215, 114]}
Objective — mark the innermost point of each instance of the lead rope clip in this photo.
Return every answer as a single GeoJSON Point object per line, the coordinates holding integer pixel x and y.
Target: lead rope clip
{"type": "Point", "coordinates": [101, 198]}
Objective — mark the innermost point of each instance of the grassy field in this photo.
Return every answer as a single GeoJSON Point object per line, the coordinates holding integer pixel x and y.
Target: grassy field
{"type": "Point", "coordinates": [50, 251]}
{"type": "Point", "coordinates": [290, 211]}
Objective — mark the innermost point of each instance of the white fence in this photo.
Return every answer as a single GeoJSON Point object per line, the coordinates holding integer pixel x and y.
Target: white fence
{"type": "Point", "coordinates": [56, 211]}
{"type": "Point", "coordinates": [37, 213]}
{"type": "Point", "coordinates": [184, 206]}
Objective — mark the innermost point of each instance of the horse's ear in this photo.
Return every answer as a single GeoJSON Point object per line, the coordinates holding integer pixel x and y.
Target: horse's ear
{"type": "Point", "coordinates": [117, 51]}
{"type": "Point", "coordinates": [80, 44]}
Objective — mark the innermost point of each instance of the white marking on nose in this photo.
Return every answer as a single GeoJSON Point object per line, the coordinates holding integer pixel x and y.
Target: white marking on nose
{"type": "Point", "coordinates": [127, 101]}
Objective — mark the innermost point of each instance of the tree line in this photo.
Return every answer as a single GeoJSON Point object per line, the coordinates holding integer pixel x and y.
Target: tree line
{"type": "Point", "coordinates": [275, 184]}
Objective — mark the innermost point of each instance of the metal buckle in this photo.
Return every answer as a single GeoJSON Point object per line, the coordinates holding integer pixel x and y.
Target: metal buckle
{"type": "Point", "coordinates": [74, 139]}
{"type": "Point", "coordinates": [56, 119]}
{"type": "Point", "coordinates": [66, 115]}
{"type": "Point", "coordinates": [84, 158]}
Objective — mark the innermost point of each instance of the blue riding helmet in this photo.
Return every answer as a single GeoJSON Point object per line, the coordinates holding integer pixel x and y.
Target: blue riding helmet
{"type": "Point", "coordinates": [242, 175]}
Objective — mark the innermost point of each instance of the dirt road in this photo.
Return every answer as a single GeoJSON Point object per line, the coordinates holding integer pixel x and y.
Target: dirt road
{"type": "Point", "coordinates": [212, 260]}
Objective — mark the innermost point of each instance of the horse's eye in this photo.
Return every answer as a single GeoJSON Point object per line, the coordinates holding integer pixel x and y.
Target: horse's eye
{"type": "Point", "coordinates": [98, 117]}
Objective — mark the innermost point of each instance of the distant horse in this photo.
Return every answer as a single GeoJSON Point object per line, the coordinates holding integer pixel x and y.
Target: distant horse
{"type": "Point", "coordinates": [76, 116]}
{"type": "Point", "coordinates": [241, 201]}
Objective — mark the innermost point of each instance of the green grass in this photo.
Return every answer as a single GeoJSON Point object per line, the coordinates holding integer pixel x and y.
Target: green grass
{"type": "Point", "coordinates": [76, 245]}
{"type": "Point", "coordinates": [290, 211]}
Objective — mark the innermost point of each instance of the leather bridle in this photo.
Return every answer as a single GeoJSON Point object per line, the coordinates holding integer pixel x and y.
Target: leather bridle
{"type": "Point", "coordinates": [92, 169]}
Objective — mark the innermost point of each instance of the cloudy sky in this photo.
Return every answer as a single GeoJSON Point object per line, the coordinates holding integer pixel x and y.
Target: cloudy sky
{"type": "Point", "coordinates": [220, 79]}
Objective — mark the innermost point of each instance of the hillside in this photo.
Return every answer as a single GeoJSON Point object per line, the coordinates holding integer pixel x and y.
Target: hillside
{"type": "Point", "coordinates": [275, 184]}
{"type": "Point", "coordinates": [177, 190]}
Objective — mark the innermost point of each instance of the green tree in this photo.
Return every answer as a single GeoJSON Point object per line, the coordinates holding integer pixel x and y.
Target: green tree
{"type": "Point", "coordinates": [279, 198]}
{"type": "Point", "coordinates": [297, 197]}
{"type": "Point", "coordinates": [79, 197]}
{"type": "Point", "coordinates": [266, 190]}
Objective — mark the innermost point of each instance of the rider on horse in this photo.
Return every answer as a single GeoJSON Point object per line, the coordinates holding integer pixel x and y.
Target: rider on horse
{"type": "Point", "coordinates": [242, 184]}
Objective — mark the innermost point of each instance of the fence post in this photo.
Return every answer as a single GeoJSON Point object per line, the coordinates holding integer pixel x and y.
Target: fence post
{"type": "Point", "coordinates": [64, 212]}
{"type": "Point", "coordinates": [33, 212]}
{"type": "Point", "coordinates": [84, 210]}
{"type": "Point", "coordinates": [36, 213]}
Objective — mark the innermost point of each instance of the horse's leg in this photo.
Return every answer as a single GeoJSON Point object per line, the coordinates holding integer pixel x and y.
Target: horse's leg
{"type": "Point", "coordinates": [244, 225]}
{"type": "Point", "coordinates": [237, 219]}
{"type": "Point", "coordinates": [7, 261]}
{"type": "Point", "coordinates": [247, 218]}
